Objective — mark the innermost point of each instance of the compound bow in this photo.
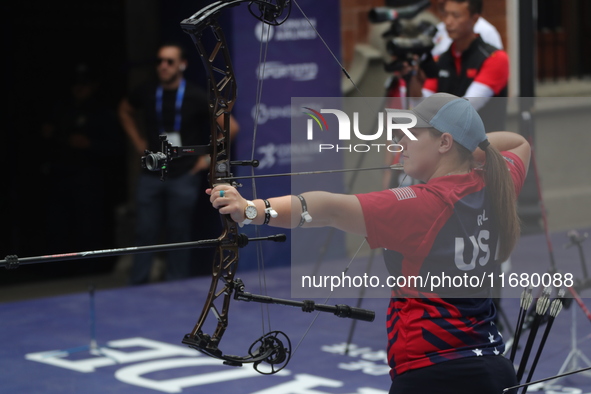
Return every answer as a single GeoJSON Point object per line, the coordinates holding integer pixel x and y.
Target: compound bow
{"type": "Point", "coordinates": [273, 348]}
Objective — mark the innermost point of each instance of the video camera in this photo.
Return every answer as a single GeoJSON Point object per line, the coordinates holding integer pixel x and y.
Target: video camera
{"type": "Point", "coordinates": [407, 40]}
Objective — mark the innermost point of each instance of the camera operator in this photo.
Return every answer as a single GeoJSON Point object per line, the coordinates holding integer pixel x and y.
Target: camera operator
{"type": "Point", "coordinates": [469, 68]}
{"type": "Point", "coordinates": [484, 28]}
{"type": "Point", "coordinates": [415, 30]}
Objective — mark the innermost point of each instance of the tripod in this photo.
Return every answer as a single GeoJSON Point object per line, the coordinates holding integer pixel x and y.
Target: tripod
{"type": "Point", "coordinates": [93, 346]}
{"type": "Point", "coordinates": [575, 359]}
{"type": "Point", "coordinates": [526, 127]}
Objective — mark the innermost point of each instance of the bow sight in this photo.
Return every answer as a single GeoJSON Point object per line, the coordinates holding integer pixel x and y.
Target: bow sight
{"type": "Point", "coordinates": [158, 161]}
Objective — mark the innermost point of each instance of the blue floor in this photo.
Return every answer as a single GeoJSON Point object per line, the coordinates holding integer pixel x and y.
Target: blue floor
{"type": "Point", "coordinates": [139, 332]}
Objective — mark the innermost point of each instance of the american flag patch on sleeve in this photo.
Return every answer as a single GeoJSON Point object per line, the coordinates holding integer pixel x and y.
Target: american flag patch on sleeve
{"type": "Point", "coordinates": [404, 193]}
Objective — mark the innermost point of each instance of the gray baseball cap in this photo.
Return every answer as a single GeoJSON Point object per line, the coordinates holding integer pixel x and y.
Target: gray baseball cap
{"type": "Point", "coordinates": [450, 114]}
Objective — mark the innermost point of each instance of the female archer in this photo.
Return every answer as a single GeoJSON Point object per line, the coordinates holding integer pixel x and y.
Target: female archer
{"type": "Point", "coordinates": [462, 220]}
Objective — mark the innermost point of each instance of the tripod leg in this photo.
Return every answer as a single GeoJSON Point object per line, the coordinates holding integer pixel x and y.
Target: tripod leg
{"type": "Point", "coordinates": [359, 300]}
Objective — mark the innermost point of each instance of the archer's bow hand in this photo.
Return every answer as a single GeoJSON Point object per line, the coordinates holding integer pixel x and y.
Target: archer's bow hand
{"type": "Point", "coordinates": [228, 201]}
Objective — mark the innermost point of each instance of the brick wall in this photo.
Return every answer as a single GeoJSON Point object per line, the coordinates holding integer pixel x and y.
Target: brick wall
{"type": "Point", "coordinates": [495, 11]}
{"type": "Point", "coordinates": [355, 25]}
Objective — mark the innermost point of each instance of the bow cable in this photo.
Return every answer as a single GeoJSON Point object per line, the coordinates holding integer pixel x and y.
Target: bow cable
{"type": "Point", "coordinates": [260, 76]}
{"type": "Point", "coordinates": [265, 30]}
{"type": "Point", "coordinates": [343, 69]}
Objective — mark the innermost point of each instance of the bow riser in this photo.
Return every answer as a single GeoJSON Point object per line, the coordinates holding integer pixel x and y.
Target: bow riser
{"type": "Point", "coordinates": [222, 94]}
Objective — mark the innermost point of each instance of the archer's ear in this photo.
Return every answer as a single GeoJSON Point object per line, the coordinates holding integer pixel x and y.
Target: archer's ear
{"type": "Point", "coordinates": [446, 142]}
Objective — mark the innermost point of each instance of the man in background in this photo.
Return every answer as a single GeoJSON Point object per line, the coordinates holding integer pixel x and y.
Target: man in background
{"type": "Point", "coordinates": [470, 67]}
{"type": "Point", "coordinates": [482, 27]}
{"type": "Point", "coordinates": [179, 109]}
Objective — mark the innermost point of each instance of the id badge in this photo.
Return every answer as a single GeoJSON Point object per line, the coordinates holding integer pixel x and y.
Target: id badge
{"type": "Point", "coordinates": [174, 137]}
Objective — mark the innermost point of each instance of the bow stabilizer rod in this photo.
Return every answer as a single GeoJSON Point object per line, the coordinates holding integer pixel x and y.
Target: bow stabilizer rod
{"type": "Point", "coordinates": [13, 261]}
{"type": "Point", "coordinates": [341, 310]}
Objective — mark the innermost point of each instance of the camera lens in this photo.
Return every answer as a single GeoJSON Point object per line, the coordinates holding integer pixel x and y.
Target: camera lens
{"type": "Point", "coordinates": [402, 46]}
{"type": "Point", "coordinates": [381, 14]}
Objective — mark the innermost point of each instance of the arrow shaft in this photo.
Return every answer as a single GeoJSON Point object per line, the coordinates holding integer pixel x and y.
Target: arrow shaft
{"type": "Point", "coordinates": [392, 167]}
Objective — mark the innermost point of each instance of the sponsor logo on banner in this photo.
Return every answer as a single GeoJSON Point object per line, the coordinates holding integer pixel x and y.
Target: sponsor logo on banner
{"type": "Point", "coordinates": [290, 30]}
{"type": "Point", "coordinates": [295, 72]}
{"type": "Point", "coordinates": [264, 112]}
{"type": "Point", "coordinates": [285, 154]}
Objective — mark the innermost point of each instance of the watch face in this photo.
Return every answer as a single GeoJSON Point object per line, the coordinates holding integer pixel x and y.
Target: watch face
{"type": "Point", "coordinates": [250, 212]}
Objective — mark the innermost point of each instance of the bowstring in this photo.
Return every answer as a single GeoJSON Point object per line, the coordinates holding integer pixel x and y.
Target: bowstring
{"type": "Point", "coordinates": [328, 298]}
{"type": "Point", "coordinates": [263, 50]}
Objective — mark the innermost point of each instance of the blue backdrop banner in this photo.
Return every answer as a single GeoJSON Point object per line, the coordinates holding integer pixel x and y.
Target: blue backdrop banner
{"type": "Point", "coordinates": [295, 63]}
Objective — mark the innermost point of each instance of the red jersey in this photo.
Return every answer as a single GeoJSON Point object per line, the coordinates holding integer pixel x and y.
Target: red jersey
{"type": "Point", "coordinates": [442, 227]}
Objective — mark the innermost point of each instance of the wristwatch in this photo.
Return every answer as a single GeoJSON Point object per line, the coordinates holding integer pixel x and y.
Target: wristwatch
{"type": "Point", "coordinates": [250, 212]}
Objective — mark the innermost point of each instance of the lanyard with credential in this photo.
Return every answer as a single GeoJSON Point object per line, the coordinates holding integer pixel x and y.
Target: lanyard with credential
{"type": "Point", "coordinates": [180, 94]}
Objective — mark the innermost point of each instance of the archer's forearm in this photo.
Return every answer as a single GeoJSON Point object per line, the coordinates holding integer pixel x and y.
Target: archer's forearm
{"type": "Point", "coordinates": [341, 211]}
{"type": "Point", "coordinates": [289, 210]}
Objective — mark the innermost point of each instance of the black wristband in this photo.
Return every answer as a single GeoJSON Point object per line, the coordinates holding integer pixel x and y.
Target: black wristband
{"type": "Point", "coordinates": [305, 216]}
{"type": "Point", "coordinates": [267, 213]}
